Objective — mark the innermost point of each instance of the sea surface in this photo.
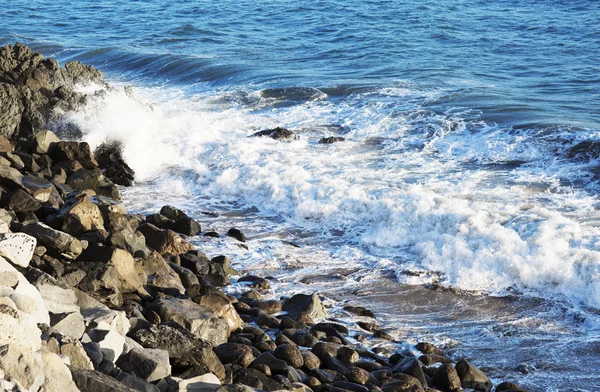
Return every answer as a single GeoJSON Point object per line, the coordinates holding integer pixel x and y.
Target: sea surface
{"type": "Point", "coordinates": [462, 206]}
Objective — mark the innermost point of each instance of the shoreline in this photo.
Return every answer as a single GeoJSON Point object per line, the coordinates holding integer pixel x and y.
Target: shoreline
{"type": "Point", "coordinates": [131, 303]}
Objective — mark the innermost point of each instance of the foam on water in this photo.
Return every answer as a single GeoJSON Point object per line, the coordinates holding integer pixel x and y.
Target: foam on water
{"type": "Point", "coordinates": [481, 206]}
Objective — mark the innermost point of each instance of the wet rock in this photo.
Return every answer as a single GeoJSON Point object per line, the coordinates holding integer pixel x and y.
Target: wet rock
{"type": "Point", "coordinates": [256, 282]}
{"type": "Point", "coordinates": [74, 151]}
{"type": "Point", "coordinates": [278, 133]}
{"type": "Point", "coordinates": [84, 179]}
{"type": "Point", "coordinates": [471, 377]}
{"type": "Point", "coordinates": [199, 320]}
{"type": "Point", "coordinates": [237, 234]}
{"type": "Point", "coordinates": [331, 140]}
{"type": "Point", "coordinates": [149, 364]}
{"type": "Point", "coordinates": [185, 350]}
{"type": "Point", "coordinates": [110, 159]}
{"type": "Point", "coordinates": [381, 334]}
{"type": "Point", "coordinates": [430, 359]}
{"type": "Point", "coordinates": [235, 353]}
{"type": "Point", "coordinates": [290, 354]}
{"type": "Point", "coordinates": [508, 387]}
{"type": "Point", "coordinates": [164, 241]}
{"type": "Point", "coordinates": [303, 303]}
{"type": "Point", "coordinates": [359, 311]}
{"type": "Point", "coordinates": [186, 226]}
{"type": "Point", "coordinates": [446, 378]}
{"type": "Point", "coordinates": [371, 327]}
{"type": "Point", "coordinates": [188, 278]}
{"type": "Point", "coordinates": [269, 306]}
{"type": "Point", "coordinates": [412, 367]}
{"type": "Point", "coordinates": [428, 348]}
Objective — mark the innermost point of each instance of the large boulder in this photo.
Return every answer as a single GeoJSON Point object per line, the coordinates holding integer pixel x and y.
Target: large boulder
{"type": "Point", "coordinates": [80, 215]}
{"type": "Point", "coordinates": [110, 160]}
{"type": "Point", "coordinates": [74, 151]}
{"type": "Point", "coordinates": [471, 377]}
{"type": "Point", "coordinates": [55, 241]}
{"type": "Point", "coordinates": [94, 381]}
{"type": "Point", "coordinates": [185, 349]}
{"type": "Point", "coordinates": [114, 267]}
{"type": "Point", "coordinates": [164, 241]}
{"type": "Point", "coordinates": [160, 274]}
{"type": "Point", "coordinates": [84, 179]}
{"type": "Point", "coordinates": [17, 248]}
{"type": "Point", "coordinates": [12, 110]}
{"type": "Point", "coordinates": [199, 320]}
{"type": "Point", "coordinates": [146, 363]}
{"type": "Point", "coordinates": [123, 236]}
{"type": "Point", "coordinates": [218, 302]}
{"type": "Point", "coordinates": [304, 303]}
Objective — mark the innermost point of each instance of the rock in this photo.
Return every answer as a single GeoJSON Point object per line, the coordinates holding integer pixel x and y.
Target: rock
{"type": "Point", "coordinates": [357, 375]}
{"type": "Point", "coordinates": [71, 325]}
{"type": "Point", "coordinates": [55, 241]}
{"type": "Point", "coordinates": [10, 177]}
{"type": "Point", "coordinates": [205, 383]}
{"type": "Point", "coordinates": [472, 377]}
{"type": "Point", "coordinates": [255, 379]}
{"type": "Point", "coordinates": [93, 381]}
{"type": "Point", "coordinates": [277, 366]}
{"type": "Point", "coordinates": [57, 375]}
{"type": "Point", "coordinates": [278, 133]}
{"type": "Point", "coordinates": [18, 329]}
{"type": "Point", "coordinates": [123, 236]}
{"type": "Point", "coordinates": [269, 307]}
{"type": "Point", "coordinates": [218, 302]}
{"type": "Point", "coordinates": [110, 159]}
{"type": "Point", "coordinates": [114, 267]}
{"type": "Point", "coordinates": [188, 279]}
{"type": "Point", "coordinates": [290, 354]}
{"type": "Point", "coordinates": [80, 215]}
{"type": "Point", "coordinates": [185, 349]}
{"type": "Point", "coordinates": [5, 221]}
{"type": "Point", "coordinates": [430, 359]}
{"type": "Point", "coordinates": [401, 386]}
{"type": "Point", "coordinates": [256, 282]}
{"type": "Point", "coordinates": [237, 234]}
{"type": "Point", "coordinates": [18, 364]}
{"type": "Point", "coordinates": [359, 311]}
{"type": "Point", "coordinates": [186, 226]}
{"type": "Point", "coordinates": [412, 367]}
{"type": "Point", "coordinates": [57, 299]}
{"type": "Point", "coordinates": [17, 248]}
{"type": "Point", "coordinates": [199, 320]}
{"type": "Point", "coordinates": [41, 190]}
{"type": "Point", "coordinates": [37, 309]}
{"type": "Point", "coordinates": [164, 241]}
{"type": "Point", "coordinates": [160, 274]}
{"type": "Point", "coordinates": [74, 151]}
{"type": "Point", "coordinates": [84, 179]}
{"type": "Point", "coordinates": [235, 353]}
{"type": "Point", "coordinates": [311, 361]}
{"type": "Point", "coordinates": [98, 316]}
{"type": "Point", "coordinates": [45, 141]}
{"type": "Point", "coordinates": [331, 140]}
{"type": "Point", "coordinates": [303, 303]}
{"type": "Point", "coordinates": [381, 334]}
{"type": "Point", "coordinates": [507, 386]}
{"type": "Point", "coordinates": [149, 364]}
{"type": "Point", "coordinates": [21, 201]}
{"type": "Point", "coordinates": [446, 378]}
{"type": "Point", "coordinates": [12, 110]}
{"type": "Point", "coordinates": [111, 342]}
{"type": "Point", "coordinates": [371, 327]}
{"type": "Point", "coordinates": [428, 348]}
{"type": "Point", "coordinates": [77, 355]}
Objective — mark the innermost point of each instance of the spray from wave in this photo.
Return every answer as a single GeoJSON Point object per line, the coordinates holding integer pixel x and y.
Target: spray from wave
{"type": "Point", "coordinates": [484, 207]}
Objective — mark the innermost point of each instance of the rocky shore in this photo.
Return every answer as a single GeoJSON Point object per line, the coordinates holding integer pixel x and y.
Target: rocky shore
{"type": "Point", "coordinates": [94, 298]}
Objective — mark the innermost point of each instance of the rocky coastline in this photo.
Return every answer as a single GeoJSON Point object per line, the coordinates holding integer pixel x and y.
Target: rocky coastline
{"type": "Point", "coordinates": [94, 298]}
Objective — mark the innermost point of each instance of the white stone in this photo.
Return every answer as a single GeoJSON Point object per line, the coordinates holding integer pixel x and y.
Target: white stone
{"type": "Point", "coordinates": [8, 279]}
{"type": "Point", "coordinates": [205, 383]}
{"type": "Point", "coordinates": [130, 344]}
{"type": "Point", "coordinates": [106, 319]}
{"type": "Point", "coordinates": [57, 374]}
{"type": "Point", "coordinates": [111, 343]}
{"type": "Point", "coordinates": [17, 247]}
{"type": "Point", "coordinates": [19, 328]}
{"type": "Point", "coordinates": [24, 303]}
{"type": "Point", "coordinates": [25, 288]}
{"type": "Point", "coordinates": [57, 299]}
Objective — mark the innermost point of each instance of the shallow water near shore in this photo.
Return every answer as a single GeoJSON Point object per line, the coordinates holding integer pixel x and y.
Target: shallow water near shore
{"type": "Point", "coordinates": [470, 162]}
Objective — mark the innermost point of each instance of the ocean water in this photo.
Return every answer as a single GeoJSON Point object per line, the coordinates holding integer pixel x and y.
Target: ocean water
{"type": "Point", "coordinates": [462, 205]}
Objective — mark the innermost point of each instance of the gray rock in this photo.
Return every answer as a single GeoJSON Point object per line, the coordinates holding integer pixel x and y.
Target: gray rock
{"type": "Point", "coordinates": [235, 353]}
{"type": "Point", "coordinates": [77, 355]}
{"type": "Point", "coordinates": [71, 325]}
{"type": "Point", "coordinates": [471, 377]}
{"type": "Point", "coordinates": [84, 179]}
{"type": "Point", "coordinates": [93, 381]}
{"type": "Point", "coordinates": [55, 241]}
{"type": "Point", "coordinates": [200, 320]}
{"type": "Point", "coordinates": [149, 364]}
{"type": "Point", "coordinates": [164, 241]}
{"type": "Point", "coordinates": [303, 303]}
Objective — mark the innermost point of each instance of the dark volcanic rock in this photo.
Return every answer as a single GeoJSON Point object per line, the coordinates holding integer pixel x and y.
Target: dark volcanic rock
{"type": "Point", "coordinates": [331, 140]}
{"type": "Point", "coordinates": [237, 234]}
{"type": "Point", "coordinates": [84, 179]}
{"type": "Point", "coordinates": [74, 151]}
{"type": "Point", "coordinates": [278, 133]}
{"type": "Point", "coordinates": [359, 311]}
{"type": "Point", "coordinates": [110, 160]}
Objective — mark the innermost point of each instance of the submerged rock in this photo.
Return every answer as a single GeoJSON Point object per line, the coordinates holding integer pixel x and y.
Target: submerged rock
{"type": "Point", "coordinates": [281, 134]}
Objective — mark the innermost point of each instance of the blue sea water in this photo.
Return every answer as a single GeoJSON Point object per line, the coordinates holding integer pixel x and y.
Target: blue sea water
{"type": "Point", "coordinates": [471, 156]}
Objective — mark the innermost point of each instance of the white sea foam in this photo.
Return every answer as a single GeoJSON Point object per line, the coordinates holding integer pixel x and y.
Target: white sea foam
{"type": "Point", "coordinates": [409, 187]}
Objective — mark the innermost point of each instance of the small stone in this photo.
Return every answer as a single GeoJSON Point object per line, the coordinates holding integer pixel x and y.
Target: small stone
{"type": "Point", "coordinates": [237, 234]}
